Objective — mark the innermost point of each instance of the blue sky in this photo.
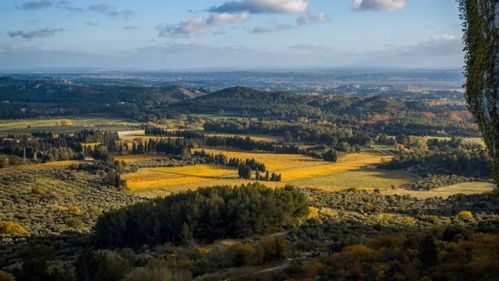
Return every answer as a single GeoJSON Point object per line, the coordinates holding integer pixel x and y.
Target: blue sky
{"type": "Point", "coordinates": [245, 34]}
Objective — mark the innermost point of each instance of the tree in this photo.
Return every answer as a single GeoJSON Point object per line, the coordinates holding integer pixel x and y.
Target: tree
{"type": "Point", "coordinates": [4, 161]}
{"type": "Point", "coordinates": [244, 172]}
{"type": "Point", "coordinates": [482, 74]}
{"type": "Point", "coordinates": [428, 252]}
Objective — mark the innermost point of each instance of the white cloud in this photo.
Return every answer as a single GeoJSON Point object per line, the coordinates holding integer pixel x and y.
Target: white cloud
{"type": "Point", "coordinates": [262, 6]}
{"type": "Point", "coordinates": [198, 25]}
{"type": "Point", "coordinates": [311, 19]}
{"type": "Point", "coordinates": [219, 18]}
{"type": "Point", "coordinates": [379, 5]}
{"type": "Point", "coordinates": [189, 28]}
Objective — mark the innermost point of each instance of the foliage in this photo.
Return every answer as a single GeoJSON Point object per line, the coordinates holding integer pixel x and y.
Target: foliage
{"type": "Point", "coordinates": [6, 276]}
{"type": "Point", "coordinates": [442, 156]}
{"type": "Point", "coordinates": [206, 214]}
{"type": "Point", "coordinates": [481, 46]}
{"type": "Point", "coordinates": [9, 227]}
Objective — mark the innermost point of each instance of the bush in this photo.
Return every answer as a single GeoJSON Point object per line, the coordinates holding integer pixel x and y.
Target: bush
{"type": "Point", "coordinates": [239, 254]}
{"type": "Point", "coordinates": [465, 215]}
{"type": "Point", "coordinates": [5, 276]}
{"type": "Point", "coordinates": [274, 248]}
{"type": "Point", "coordinates": [103, 265]}
{"type": "Point", "coordinates": [8, 227]}
{"type": "Point", "coordinates": [75, 223]}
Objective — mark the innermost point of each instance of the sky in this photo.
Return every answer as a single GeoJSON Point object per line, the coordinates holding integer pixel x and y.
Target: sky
{"type": "Point", "coordinates": [230, 34]}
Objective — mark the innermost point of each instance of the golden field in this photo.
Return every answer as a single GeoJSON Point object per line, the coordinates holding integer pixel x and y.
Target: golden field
{"type": "Point", "coordinates": [351, 171]}
{"type": "Point", "coordinates": [131, 158]}
{"type": "Point", "coordinates": [466, 188]}
{"type": "Point", "coordinates": [262, 138]}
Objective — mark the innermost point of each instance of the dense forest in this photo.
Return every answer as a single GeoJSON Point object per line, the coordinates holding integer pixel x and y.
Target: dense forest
{"type": "Point", "coordinates": [206, 214]}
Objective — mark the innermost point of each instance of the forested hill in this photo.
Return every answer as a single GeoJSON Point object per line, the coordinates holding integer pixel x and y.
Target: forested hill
{"type": "Point", "coordinates": [251, 102]}
{"type": "Point", "coordinates": [42, 91]}
{"type": "Point", "coordinates": [43, 98]}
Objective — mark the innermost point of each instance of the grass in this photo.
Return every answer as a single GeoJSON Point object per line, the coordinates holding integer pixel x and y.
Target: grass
{"type": "Point", "coordinates": [466, 188]}
{"type": "Point", "coordinates": [131, 158]}
{"type": "Point", "coordinates": [89, 122]}
{"type": "Point", "coordinates": [262, 138]}
{"type": "Point", "coordinates": [134, 135]}
{"type": "Point", "coordinates": [361, 179]}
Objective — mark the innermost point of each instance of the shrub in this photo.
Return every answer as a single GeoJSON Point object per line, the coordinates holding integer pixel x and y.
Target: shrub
{"type": "Point", "coordinates": [40, 191]}
{"type": "Point", "coordinates": [103, 265]}
{"type": "Point", "coordinates": [275, 247]}
{"type": "Point", "coordinates": [146, 274]}
{"type": "Point", "coordinates": [202, 251]}
{"type": "Point", "coordinates": [239, 254]}
{"type": "Point", "coordinates": [465, 215]}
{"type": "Point", "coordinates": [5, 276]}
{"type": "Point", "coordinates": [75, 223]}
{"type": "Point", "coordinates": [8, 227]}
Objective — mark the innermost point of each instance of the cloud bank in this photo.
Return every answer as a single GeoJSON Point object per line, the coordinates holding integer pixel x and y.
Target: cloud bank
{"type": "Point", "coordinates": [262, 6]}
{"type": "Point", "coordinates": [311, 19]}
{"type": "Point", "coordinates": [378, 5]}
{"type": "Point", "coordinates": [188, 28]}
{"type": "Point", "coordinates": [35, 5]}
{"type": "Point", "coordinates": [38, 33]}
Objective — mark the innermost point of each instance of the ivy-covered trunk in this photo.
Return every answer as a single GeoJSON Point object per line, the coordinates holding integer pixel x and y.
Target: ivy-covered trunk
{"type": "Point", "coordinates": [481, 27]}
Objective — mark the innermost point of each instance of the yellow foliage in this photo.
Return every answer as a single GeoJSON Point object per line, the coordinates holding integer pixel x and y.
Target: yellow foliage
{"type": "Point", "coordinates": [202, 251]}
{"type": "Point", "coordinates": [465, 215]}
{"type": "Point", "coordinates": [317, 267]}
{"type": "Point", "coordinates": [328, 213]}
{"type": "Point", "coordinates": [9, 227]}
{"type": "Point", "coordinates": [72, 209]}
{"type": "Point", "coordinates": [40, 191]}
{"type": "Point", "coordinates": [370, 207]}
{"type": "Point", "coordinates": [6, 276]}
{"type": "Point", "coordinates": [313, 213]}
{"type": "Point", "coordinates": [64, 122]}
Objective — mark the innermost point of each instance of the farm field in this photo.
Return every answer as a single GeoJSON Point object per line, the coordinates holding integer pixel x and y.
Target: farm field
{"type": "Point", "coordinates": [134, 135]}
{"type": "Point", "coordinates": [131, 158]}
{"type": "Point", "coordinates": [77, 122]}
{"type": "Point", "coordinates": [262, 138]}
{"type": "Point", "coordinates": [351, 171]}
{"type": "Point", "coordinates": [466, 188]}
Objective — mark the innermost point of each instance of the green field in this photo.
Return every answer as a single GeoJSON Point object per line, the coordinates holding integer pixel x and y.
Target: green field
{"type": "Point", "coordinates": [98, 122]}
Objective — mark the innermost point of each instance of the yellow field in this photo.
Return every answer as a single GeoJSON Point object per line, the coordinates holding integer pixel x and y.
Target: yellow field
{"type": "Point", "coordinates": [55, 122]}
{"type": "Point", "coordinates": [177, 177]}
{"type": "Point", "coordinates": [351, 171]}
{"type": "Point", "coordinates": [134, 135]}
{"type": "Point", "coordinates": [253, 137]}
{"type": "Point", "coordinates": [446, 191]}
{"type": "Point", "coordinates": [139, 157]}
{"type": "Point", "coordinates": [35, 167]}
